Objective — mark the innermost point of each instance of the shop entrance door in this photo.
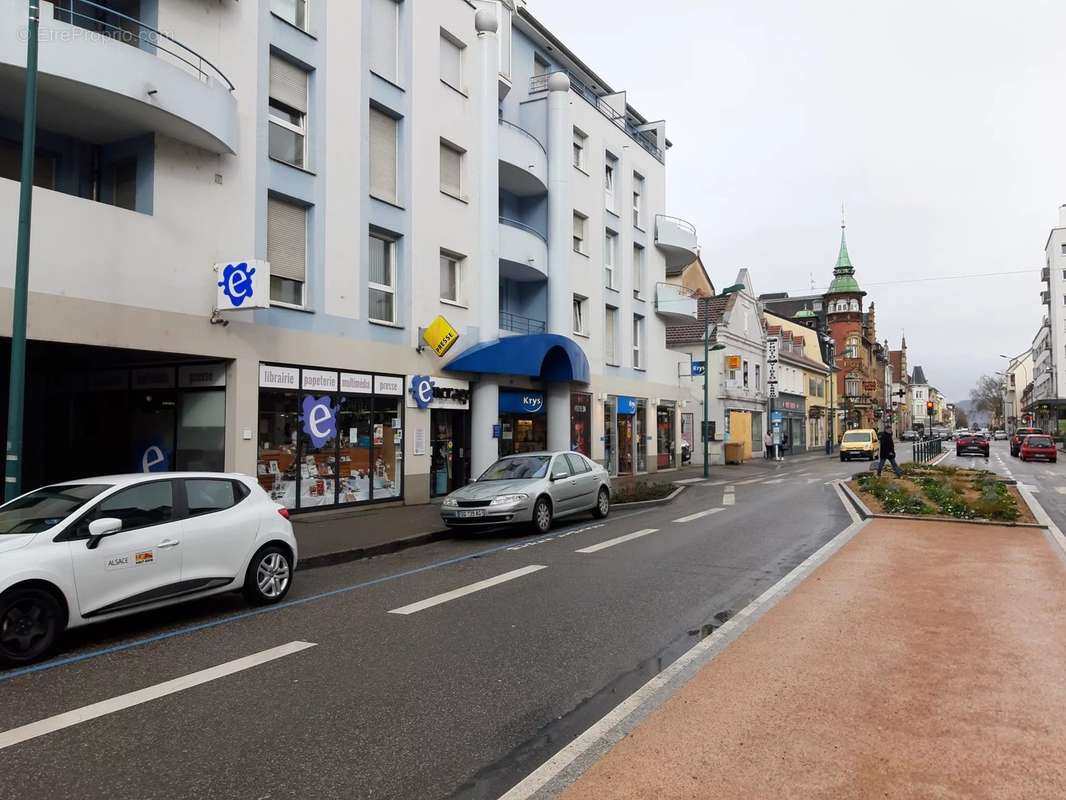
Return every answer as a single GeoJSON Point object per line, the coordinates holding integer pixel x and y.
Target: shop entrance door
{"type": "Point", "coordinates": [664, 426]}
{"type": "Point", "coordinates": [740, 430]}
{"type": "Point", "coordinates": [625, 444]}
{"type": "Point", "coordinates": [450, 454]}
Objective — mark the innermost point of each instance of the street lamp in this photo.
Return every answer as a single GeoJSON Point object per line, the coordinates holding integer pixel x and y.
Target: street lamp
{"type": "Point", "coordinates": [707, 349]}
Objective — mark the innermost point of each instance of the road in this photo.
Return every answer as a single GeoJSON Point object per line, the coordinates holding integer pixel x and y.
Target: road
{"type": "Point", "coordinates": [451, 670]}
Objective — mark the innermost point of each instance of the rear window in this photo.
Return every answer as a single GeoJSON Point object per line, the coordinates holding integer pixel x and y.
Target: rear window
{"type": "Point", "coordinates": [856, 437]}
{"type": "Point", "coordinates": [1027, 431]}
{"type": "Point", "coordinates": [1039, 441]}
{"type": "Point", "coordinates": [207, 495]}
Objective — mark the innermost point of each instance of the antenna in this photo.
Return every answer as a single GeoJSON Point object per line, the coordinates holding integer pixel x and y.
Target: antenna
{"type": "Point", "coordinates": [812, 281]}
{"type": "Point", "coordinates": [843, 222]}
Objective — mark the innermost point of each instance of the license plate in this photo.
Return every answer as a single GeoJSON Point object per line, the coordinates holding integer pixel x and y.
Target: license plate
{"type": "Point", "coordinates": [477, 512]}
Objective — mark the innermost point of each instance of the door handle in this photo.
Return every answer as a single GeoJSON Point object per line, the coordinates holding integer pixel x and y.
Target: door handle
{"type": "Point", "coordinates": [168, 543]}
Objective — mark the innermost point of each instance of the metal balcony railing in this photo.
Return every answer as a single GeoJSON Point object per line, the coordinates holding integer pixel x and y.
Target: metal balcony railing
{"type": "Point", "coordinates": [539, 83]}
{"type": "Point", "coordinates": [513, 223]}
{"type": "Point", "coordinates": [111, 24]}
{"type": "Point", "coordinates": [516, 323]}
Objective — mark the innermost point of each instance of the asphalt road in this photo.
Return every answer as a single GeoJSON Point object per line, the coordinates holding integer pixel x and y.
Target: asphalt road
{"type": "Point", "coordinates": [461, 694]}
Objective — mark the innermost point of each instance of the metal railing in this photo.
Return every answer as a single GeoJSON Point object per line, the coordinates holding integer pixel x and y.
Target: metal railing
{"type": "Point", "coordinates": [513, 223]}
{"type": "Point", "coordinates": [539, 83]}
{"type": "Point", "coordinates": [523, 131]}
{"type": "Point", "coordinates": [112, 24]}
{"type": "Point", "coordinates": [926, 450]}
{"type": "Point", "coordinates": [516, 323]}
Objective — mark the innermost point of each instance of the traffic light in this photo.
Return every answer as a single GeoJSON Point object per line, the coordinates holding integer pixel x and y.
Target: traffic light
{"type": "Point", "coordinates": [930, 407]}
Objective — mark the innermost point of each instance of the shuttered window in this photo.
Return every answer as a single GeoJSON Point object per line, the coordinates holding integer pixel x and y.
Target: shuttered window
{"type": "Point", "coordinates": [451, 61]}
{"type": "Point", "coordinates": [384, 37]}
{"type": "Point", "coordinates": [382, 155]}
{"type": "Point", "coordinates": [286, 250]}
{"type": "Point", "coordinates": [288, 84]}
{"type": "Point", "coordinates": [451, 169]}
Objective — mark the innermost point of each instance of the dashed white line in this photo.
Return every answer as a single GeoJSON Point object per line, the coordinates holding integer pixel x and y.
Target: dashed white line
{"type": "Point", "coordinates": [436, 600]}
{"type": "Point", "coordinates": [619, 540]}
{"type": "Point", "coordinates": [728, 499]}
{"type": "Point", "coordinates": [698, 515]}
{"type": "Point", "coordinates": [776, 480]}
{"type": "Point", "coordinates": [713, 483]}
{"type": "Point", "coordinates": [751, 480]}
{"type": "Point", "coordinates": [124, 701]}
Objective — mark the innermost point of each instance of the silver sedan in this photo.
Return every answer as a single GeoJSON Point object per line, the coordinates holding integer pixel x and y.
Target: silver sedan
{"type": "Point", "coordinates": [531, 488]}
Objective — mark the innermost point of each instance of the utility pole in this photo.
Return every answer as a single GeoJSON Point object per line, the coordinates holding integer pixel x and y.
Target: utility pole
{"type": "Point", "coordinates": [17, 381]}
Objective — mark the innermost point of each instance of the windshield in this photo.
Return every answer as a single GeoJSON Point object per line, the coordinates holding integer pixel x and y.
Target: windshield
{"type": "Point", "coordinates": [1039, 441]}
{"type": "Point", "coordinates": [517, 467]}
{"type": "Point", "coordinates": [856, 437]}
{"type": "Point", "coordinates": [45, 508]}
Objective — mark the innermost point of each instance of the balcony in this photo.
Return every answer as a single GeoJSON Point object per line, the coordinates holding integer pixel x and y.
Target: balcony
{"type": "Point", "coordinates": [523, 162]}
{"type": "Point", "coordinates": [675, 303]}
{"type": "Point", "coordinates": [677, 240]}
{"type": "Point", "coordinates": [1045, 275]}
{"type": "Point", "coordinates": [516, 323]}
{"type": "Point", "coordinates": [1045, 297]}
{"type": "Point", "coordinates": [105, 77]}
{"type": "Point", "coordinates": [523, 252]}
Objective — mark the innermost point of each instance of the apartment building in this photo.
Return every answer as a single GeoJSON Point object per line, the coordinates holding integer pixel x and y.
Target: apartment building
{"type": "Point", "coordinates": [1049, 353]}
{"type": "Point", "coordinates": [239, 253]}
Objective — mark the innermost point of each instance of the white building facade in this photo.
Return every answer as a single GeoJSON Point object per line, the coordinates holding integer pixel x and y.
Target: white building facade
{"type": "Point", "coordinates": [478, 171]}
{"type": "Point", "coordinates": [1049, 355]}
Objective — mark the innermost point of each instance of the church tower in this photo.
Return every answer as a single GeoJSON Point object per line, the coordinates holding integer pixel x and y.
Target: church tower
{"type": "Point", "coordinates": [845, 321]}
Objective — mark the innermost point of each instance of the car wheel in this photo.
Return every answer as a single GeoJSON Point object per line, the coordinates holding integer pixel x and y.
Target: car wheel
{"type": "Point", "coordinates": [842, 457]}
{"type": "Point", "coordinates": [31, 621]}
{"type": "Point", "coordinates": [269, 575]}
{"type": "Point", "coordinates": [542, 515]}
{"type": "Point", "coordinates": [603, 504]}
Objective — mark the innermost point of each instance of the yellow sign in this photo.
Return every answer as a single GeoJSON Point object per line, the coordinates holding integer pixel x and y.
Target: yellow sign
{"type": "Point", "coordinates": [440, 335]}
{"type": "Point", "coordinates": [732, 362]}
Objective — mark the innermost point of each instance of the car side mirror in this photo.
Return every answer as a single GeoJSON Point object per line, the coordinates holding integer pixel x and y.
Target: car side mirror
{"type": "Point", "coordinates": [99, 528]}
{"type": "Point", "coordinates": [559, 476]}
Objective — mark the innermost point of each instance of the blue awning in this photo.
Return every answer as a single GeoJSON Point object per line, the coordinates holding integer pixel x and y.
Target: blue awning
{"type": "Point", "coordinates": [547, 356]}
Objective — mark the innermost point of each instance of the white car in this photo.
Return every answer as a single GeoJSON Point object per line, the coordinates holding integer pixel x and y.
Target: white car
{"type": "Point", "coordinates": [91, 550]}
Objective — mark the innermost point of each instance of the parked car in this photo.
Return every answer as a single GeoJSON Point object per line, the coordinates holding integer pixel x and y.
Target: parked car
{"type": "Point", "coordinates": [96, 549]}
{"type": "Point", "coordinates": [1038, 445]}
{"type": "Point", "coordinates": [530, 488]}
{"type": "Point", "coordinates": [984, 432]}
{"type": "Point", "coordinates": [960, 432]}
{"type": "Point", "coordinates": [910, 436]}
{"type": "Point", "coordinates": [860, 443]}
{"type": "Point", "coordinates": [1019, 434]}
{"type": "Point", "coordinates": [973, 444]}
{"type": "Point", "coordinates": [999, 436]}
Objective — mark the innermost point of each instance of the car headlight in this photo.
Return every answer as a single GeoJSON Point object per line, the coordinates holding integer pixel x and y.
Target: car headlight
{"type": "Point", "coordinates": [450, 502]}
{"type": "Point", "coordinates": [507, 499]}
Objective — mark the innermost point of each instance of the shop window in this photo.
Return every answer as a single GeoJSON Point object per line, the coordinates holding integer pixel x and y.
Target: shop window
{"type": "Point", "coordinates": [201, 431]}
{"type": "Point", "coordinates": [640, 423]}
{"type": "Point", "coordinates": [279, 421]}
{"type": "Point", "coordinates": [387, 469]}
{"type": "Point", "coordinates": [355, 427]}
{"type": "Point", "coordinates": [581, 423]}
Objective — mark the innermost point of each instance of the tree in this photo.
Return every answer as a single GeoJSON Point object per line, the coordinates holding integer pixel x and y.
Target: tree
{"type": "Point", "coordinates": [961, 420]}
{"type": "Point", "coordinates": [987, 396]}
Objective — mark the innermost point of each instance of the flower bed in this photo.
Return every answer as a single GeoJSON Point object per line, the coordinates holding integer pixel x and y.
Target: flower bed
{"type": "Point", "coordinates": [926, 490]}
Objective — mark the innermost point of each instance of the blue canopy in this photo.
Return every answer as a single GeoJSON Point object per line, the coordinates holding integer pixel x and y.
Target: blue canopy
{"type": "Point", "coordinates": [547, 356]}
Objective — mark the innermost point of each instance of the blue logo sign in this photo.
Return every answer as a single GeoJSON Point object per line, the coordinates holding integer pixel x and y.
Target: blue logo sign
{"type": "Point", "coordinates": [422, 390]}
{"type": "Point", "coordinates": [776, 416]}
{"type": "Point", "coordinates": [237, 283]}
{"type": "Point", "coordinates": [153, 458]}
{"type": "Point", "coordinates": [699, 367]}
{"type": "Point", "coordinates": [627, 405]}
{"type": "Point", "coordinates": [516, 401]}
{"type": "Point", "coordinates": [533, 403]}
{"type": "Point", "coordinates": [319, 419]}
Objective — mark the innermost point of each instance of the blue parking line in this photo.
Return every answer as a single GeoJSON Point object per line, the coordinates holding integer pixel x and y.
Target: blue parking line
{"type": "Point", "coordinates": [119, 648]}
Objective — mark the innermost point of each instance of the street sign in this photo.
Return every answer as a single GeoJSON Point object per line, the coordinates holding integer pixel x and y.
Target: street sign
{"type": "Point", "coordinates": [771, 391]}
{"type": "Point", "coordinates": [771, 372]}
{"type": "Point", "coordinates": [698, 368]}
{"type": "Point", "coordinates": [440, 335]}
{"type": "Point", "coordinates": [771, 348]}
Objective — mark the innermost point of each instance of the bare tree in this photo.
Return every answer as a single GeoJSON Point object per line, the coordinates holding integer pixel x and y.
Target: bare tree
{"type": "Point", "coordinates": [987, 396]}
{"type": "Point", "coordinates": [961, 420]}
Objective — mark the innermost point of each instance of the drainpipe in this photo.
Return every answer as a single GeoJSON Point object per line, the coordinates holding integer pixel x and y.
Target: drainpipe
{"type": "Point", "coordinates": [560, 220]}
{"type": "Point", "coordinates": [485, 396]}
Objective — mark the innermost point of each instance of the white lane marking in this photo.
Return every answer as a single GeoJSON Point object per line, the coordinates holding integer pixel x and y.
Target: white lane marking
{"type": "Point", "coordinates": [687, 481]}
{"type": "Point", "coordinates": [124, 701]}
{"type": "Point", "coordinates": [436, 600]}
{"type": "Point", "coordinates": [1060, 489]}
{"type": "Point", "coordinates": [730, 488]}
{"type": "Point", "coordinates": [812, 480]}
{"type": "Point", "coordinates": [714, 483]}
{"type": "Point", "coordinates": [745, 483]}
{"type": "Point", "coordinates": [729, 499]}
{"type": "Point", "coordinates": [618, 540]}
{"type": "Point", "coordinates": [776, 480]}
{"type": "Point", "coordinates": [699, 515]}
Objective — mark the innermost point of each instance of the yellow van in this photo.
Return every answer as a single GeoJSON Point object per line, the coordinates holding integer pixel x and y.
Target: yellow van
{"type": "Point", "coordinates": [861, 443]}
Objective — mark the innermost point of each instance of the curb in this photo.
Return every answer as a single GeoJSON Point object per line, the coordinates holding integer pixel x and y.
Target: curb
{"type": "Point", "coordinates": [370, 551]}
{"type": "Point", "coordinates": [660, 502]}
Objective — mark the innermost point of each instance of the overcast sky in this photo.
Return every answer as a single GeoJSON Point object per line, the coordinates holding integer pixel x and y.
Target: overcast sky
{"type": "Point", "coordinates": [941, 124]}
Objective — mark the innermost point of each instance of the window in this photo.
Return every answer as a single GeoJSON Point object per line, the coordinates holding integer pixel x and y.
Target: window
{"type": "Point", "coordinates": [638, 341]}
{"type": "Point", "coordinates": [451, 277]}
{"type": "Point", "coordinates": [382, 155]}
{"type": "Point", "coordinates": [207, 495]}
{"type": "Point", "coordinates": [451, 60]}
{"type": "Point", "coordinates": [578, 465]}
{"type": "Point", "coordinates": [382, 279]}
{"type": "Point", "coordinates": [610, 348]}
{"type": "Point", "coordinates": [540, 66]}
{"type": "Point", "coordinates": [610, 171]}
{"type": "Point", "coordinates": [610, 253]}
{"type": "Point", "coordinates": [1064, 274]}
{"type": "Point", "coordinates": [288, 112]}
{"type": "Point", "coordinates": [384, 38]}
{"type": "Point", "coordinates": [758, 377]}
{"type": "Point", "coordinates": [124, 183]}
{"type": "Point", "coordinates": [292, 11]}
{"type": "Point", "coordinates": [44, 165]}
{"type": "Point", "coordinates": [286, 250]}
{"type": "Point", "coordinates": [851, 387]}
{"type": "Point", "coordinates": [638, 200]}
{"type": "Point", "coordinates": [854, 305]}
{"type": "Point", "coordinates": [852, 348]}
{"type": "Point", "coordinates": [580, 140]}
{"type": "Point", "coordinates": [1064, 249]}
{"type": "Point", "coordinates": [140, 506]}
{"type": "Point", "coordinates": [638, 270]}
{"type": "Point", "coordinates": [745, 374]}
{"type": "Point", "coordinates": [580, 303]}
{"type": "Point", "coordinates": [451, 169]}
{"type": "Point", "coordinates": [579, 232]}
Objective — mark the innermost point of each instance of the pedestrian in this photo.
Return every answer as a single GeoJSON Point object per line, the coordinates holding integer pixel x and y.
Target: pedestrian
{"type": "Point", "coordinates": [767, 444]}
{"type": "Point", "coordinates": [887, 445]}
{"type": "Point", "coordinates": [784, 441]}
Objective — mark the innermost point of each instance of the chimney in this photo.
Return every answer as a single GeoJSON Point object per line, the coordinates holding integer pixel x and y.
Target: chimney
{"type": "Point", "coordinates": [871, 322]}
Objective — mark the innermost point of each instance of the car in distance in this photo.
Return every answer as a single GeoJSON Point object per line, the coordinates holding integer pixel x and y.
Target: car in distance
{"type": "Point", "coordinates": [91, 550]}
{"type": "Point", "coordinates": [1038, 445]}
{"type": "Point", "coordinates": [909, 436]}
{"type": "Point", "coordinates": [973, 444]}
{"type": "Point", "coordinates": [1019, 434]}
{"type": "Point", "coordinates": [859, 443]}
{"type": "Point", "coordinates": [999, 436]}
{"type": "Point", "coordinates": [530, 488]}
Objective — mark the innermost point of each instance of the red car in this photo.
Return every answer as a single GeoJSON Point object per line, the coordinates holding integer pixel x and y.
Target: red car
{"type": "Point", "coordinates": [1016, 439]}
{"type": "Point", "coordinates": [1038, 446]}
{"type": "Point", "coordinates": [971, 444]}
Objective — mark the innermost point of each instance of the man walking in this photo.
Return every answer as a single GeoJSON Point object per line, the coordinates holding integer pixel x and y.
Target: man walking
{"type": "Point", "coordinates": [887, 445]}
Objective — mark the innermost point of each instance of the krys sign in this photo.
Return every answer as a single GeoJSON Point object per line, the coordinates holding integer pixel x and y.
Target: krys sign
{"type": "Point", "coordinates": [319, 419]}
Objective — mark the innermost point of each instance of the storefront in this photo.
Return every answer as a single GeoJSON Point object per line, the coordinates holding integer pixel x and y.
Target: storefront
{"type": "Point", "coordinates": [625, 441]}
{"type": "Point", "coordinates": [329, 438]}
{"type": "Point", "coordinates": [448, 403]}
{"type": "Point", "coordinates": [523, 425]}
{"type": "Point", "coordinates": [793, 410]}
{"type": "Point", "coordinates": [665, 414]}
{"type": "Point", "coordinates": [581, 423]}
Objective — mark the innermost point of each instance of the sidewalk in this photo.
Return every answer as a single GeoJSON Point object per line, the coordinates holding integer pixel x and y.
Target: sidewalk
{"type": "Point", "coordinates": [922, 660]}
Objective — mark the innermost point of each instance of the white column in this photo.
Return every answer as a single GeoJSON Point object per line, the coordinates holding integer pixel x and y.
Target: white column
{"type": "Point", "coordinates": [485, 397]}
{"type": "Point", "coordinates": [560, 221]}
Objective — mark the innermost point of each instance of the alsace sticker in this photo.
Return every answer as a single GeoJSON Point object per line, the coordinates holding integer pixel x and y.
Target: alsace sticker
{"type": "Point", "coordinates": [146, 557]}
{"type": "Point", "coordinates": [127, 560]}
